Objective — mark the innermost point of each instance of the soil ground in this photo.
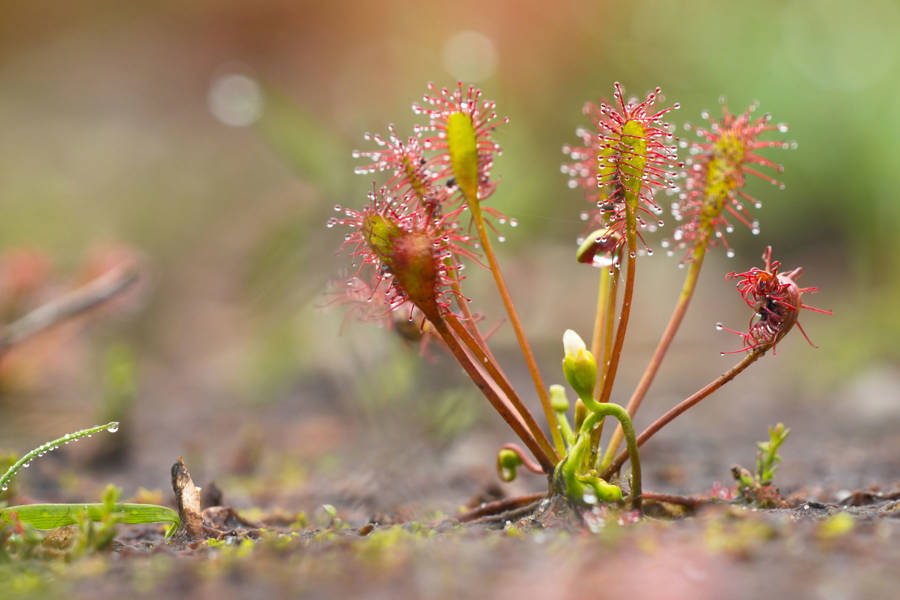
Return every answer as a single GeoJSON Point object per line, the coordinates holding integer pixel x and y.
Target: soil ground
{"type": "Point", "coordinates": [394, 533]}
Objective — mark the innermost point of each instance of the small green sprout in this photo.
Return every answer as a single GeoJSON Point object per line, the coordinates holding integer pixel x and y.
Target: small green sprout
{"type": "Point", "coordinates": [767, 457]}
{"type": "Point", "coordinates": [757, 487]}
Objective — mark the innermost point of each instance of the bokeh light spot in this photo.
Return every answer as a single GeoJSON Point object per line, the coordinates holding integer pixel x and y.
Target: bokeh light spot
{"type": "Point", "coordinates": [235, 100]}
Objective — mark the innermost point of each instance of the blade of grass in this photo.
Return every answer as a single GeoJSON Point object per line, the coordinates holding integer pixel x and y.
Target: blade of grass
{"type": "Point", "coordinates": [51, 516]}
{"type": "Point", "coordinates": [112, 427]}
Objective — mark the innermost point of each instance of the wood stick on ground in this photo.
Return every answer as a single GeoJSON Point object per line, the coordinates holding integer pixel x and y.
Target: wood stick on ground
{"type": "Point", "coordinates": [187, 500]}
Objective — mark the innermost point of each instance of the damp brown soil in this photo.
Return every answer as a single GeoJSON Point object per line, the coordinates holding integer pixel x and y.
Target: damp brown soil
{"type": "Point", "coordinates": [320, 496]}
{"type": "Point", "coordinates": [720, 550]}
{"type": "Point", "coordinates": [823, 541]}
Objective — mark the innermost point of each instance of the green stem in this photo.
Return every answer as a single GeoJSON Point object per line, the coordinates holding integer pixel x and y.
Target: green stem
{"type": "Point", "coordinates": [687, 403]}
{"type": "Point", "coordinates": [600, 315]}
{"type": "Point", "coordinates": [478, 219]}
{"type": "Point", "coordinates": [609, 314]}
{"type": "Point", "coordinates": [568, 434]}
{"type": "Point", "coordinates": [569, 468]}
{"type": "Point", "coordinates": [608, 328]}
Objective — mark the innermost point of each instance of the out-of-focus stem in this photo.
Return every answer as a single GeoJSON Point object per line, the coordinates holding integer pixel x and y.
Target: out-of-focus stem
{"type": "Point", "coordinates": [74, 303]}
{"type": "Point", "coordinates": [598, 347]}
{"type": "Point", "coordinates": [541, 389]}
{"type": "Point", "coordinates": [490, 390]}
{"type": "Point", "coordinates": [484, 358]}
{"type": "Point", "coordinates": [600, 315]}
{"type": "Point", "coordinates": [608, 328]}
{"type": "Point", "coordinates": [608, 331]}
{"type": "Point", "coordinates": [684, 300]}
{"type": "Point", "coordinates": [687, 403]}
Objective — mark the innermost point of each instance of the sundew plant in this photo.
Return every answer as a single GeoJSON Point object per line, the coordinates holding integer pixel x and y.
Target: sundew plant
{"type": "Point", "coordinates": [430, 218]}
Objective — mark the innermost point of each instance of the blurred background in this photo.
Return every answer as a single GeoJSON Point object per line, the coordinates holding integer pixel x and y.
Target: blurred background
{"type": "Point", "coordinates": [208, 142]}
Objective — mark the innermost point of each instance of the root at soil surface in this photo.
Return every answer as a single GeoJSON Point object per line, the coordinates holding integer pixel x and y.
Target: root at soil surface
{"type": "Point", "coordinates": [502, 510]}
{"type": "Point", "coordinates": [529, 512]}
{"type": "Point", "coordinates": [543, 511]}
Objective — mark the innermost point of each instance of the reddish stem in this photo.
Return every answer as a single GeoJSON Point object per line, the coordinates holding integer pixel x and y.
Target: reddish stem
{"type": "Point", "coordinates": [687, 403]}
{"type": "Point", "coordinates": [484, 358]}
{"type": "Point", "coordinates": [500, 507]}
{"type": "Point", "coordinates": [526, 461]}
{"type": "Point", "coordinates": [684, 300]}
{"type": "Point", "coordinates": [609, 375]}
{"type": "Point", "coordinates": [541, 389]}
{"type": "Point", "coordinates": [490, 390]}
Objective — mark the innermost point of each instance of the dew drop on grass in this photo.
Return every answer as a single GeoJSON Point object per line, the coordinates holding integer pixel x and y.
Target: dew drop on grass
{"type": "Point", "coordinates": [719, 327]}
{"type": "Point", "coordinates": [113, 427]}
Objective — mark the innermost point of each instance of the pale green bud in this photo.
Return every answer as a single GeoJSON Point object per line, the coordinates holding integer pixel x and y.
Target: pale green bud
{"type": "Point", "coordinates": [507, 463]}
{"type": "Point", "coordinates": [558, 400]}
{"type": "Point", "coordinates": [579, 365]}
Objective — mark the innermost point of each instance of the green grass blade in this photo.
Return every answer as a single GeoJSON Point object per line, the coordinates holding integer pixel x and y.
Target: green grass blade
{"type": "Point", "coordinates": [41, 450]}
{"type": "Point", "coordinates": [51, 516]}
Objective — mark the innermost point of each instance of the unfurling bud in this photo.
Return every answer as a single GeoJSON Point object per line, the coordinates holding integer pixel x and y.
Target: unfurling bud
{"type": "Point", "coordinates": [606, 492]}
{"type": "Point", "coordinates": [507, 463]}
{"type": "Point", "coordinates": [558, 401]}
{"type": "Point", "coordinates": [579, 365]}
{"type": "Point", "coordinates": [581, 413]}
